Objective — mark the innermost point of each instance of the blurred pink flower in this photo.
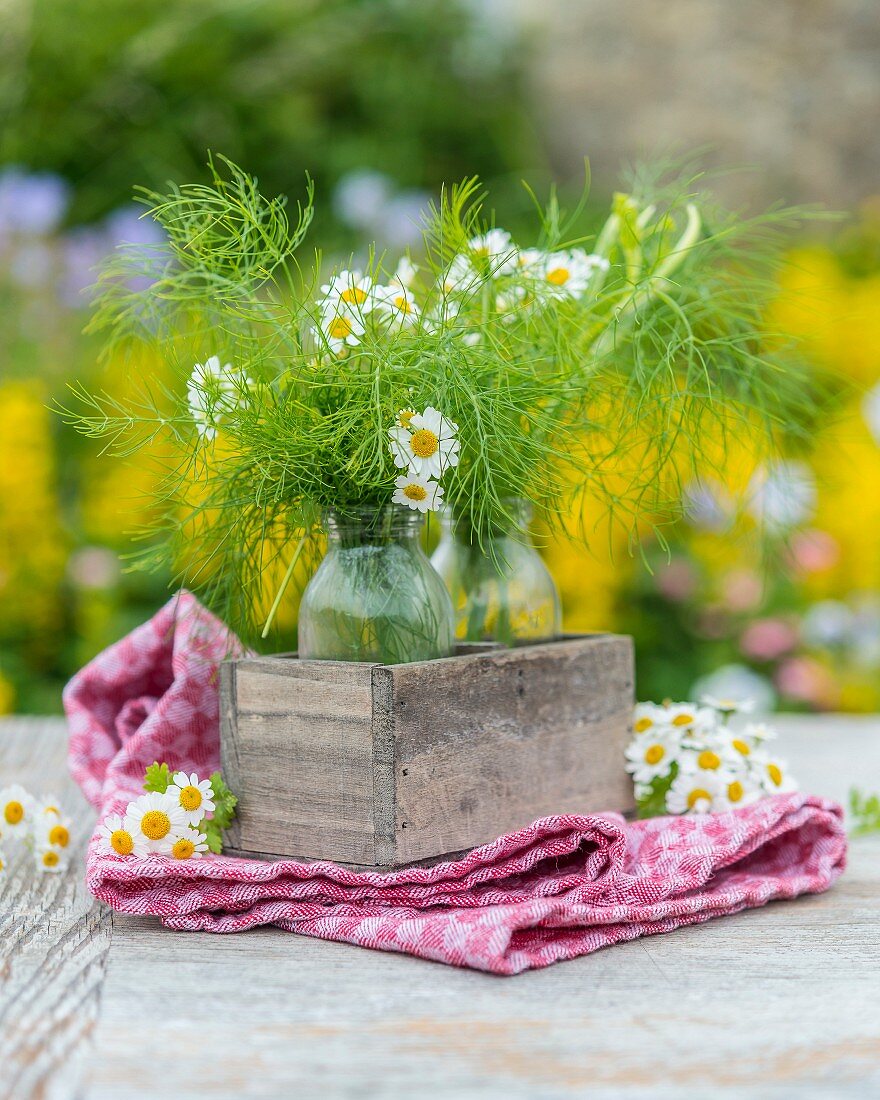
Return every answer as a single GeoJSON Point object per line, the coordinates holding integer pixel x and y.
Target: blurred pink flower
{"type": "Point", "coordinates": [742, 590]}
{"type": "Point", "coordinates": [814, 551]}
{"type": "Point", "coordinates": [677, 580]}
{"type": "Point", "coordinates": [805, 679]}
{"type": "Point", "coordinates": [768, 639]}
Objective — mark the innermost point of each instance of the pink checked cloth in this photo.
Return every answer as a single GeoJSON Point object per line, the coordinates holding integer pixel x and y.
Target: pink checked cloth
{"type": "Point", "coordinates": [561, 887]}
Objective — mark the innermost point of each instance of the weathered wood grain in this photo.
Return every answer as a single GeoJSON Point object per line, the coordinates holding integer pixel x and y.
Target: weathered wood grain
{"type": "Point", "coordinates": [387, 764]}
{"type": "Point", "coordinates": [54, 937]}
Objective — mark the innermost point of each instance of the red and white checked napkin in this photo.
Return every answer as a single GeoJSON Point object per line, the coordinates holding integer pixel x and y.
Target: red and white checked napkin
{"type": "Point", "coordinates": [558, 888]}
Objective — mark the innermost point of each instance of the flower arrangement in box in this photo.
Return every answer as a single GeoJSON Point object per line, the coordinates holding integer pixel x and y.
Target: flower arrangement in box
{"type": "Point", "coordinates": [337, 411]}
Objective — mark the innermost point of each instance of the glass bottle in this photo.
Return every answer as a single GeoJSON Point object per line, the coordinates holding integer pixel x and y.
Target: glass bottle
{"type": "Point", "coordinates": [501, 591]}
{"type": "Point", "coordinates": [375, 596]}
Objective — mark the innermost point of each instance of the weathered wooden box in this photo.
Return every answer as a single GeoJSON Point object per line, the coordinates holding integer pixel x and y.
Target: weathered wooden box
{"type": "Point", "coordinates": [378, 765]}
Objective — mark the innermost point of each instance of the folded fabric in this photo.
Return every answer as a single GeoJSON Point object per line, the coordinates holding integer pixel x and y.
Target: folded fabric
{"type": "Point", "coordinates": [561, 887]}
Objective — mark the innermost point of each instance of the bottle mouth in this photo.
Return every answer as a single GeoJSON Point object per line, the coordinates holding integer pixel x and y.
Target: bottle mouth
{"type": "Point", "coordinates": [374, 524]}
{"type": "Point", "coordinates": [516, 516]}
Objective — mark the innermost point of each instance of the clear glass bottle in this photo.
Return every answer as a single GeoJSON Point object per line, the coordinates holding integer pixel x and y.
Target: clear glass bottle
{"type": "Point", "coordinates": [501, 591]}
{"type": "Point", "coordinates": [375, 595]}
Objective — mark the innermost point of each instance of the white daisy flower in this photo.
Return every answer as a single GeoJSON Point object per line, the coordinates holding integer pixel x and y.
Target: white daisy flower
{"type": "Point", "coordinates": [4, 869]}
{"type": "Point", "coordinates": [496, 250]}
{"type": "Point", "coordinates": [51, 829]}
{"type": "Point", "coordinates": [195, 796]}
{"type": "Point", "coordinates": [759, 732]}
{"type": "Point", "coordinates": [694, 792]}
{"type": "Point", "coordinates": [648, 715]}
{"type": "Point", "coordinates": [652, 755]}
{"type": "Point", "coordinates": [49, 860]}
{"type": "Point", "coordinates": [428, 446]}
{"type": "Point", "coordinates": [188, 844]}
{"type": "Point", "coordinates": [152, 819]}
{"type": "Point", "coordinates": [461, 277]}
{"type": "Point", "coordinates": [567, 274]}
{"type": "Point", "coordinates": [738, 791]}
{"type": "Point", "coordinates": [419, 493]}
{"type": "Point", "coordinates": [707, 757]}
{"type": "Point", "coordinates": [17, 811]}
{"type": "Point", "coordinates": [348, 292]}
{"type": "Point", "coordinates": [341, 330]}
{"type": "Point", "coordinates": [405, 273]}
{"type": "Point", "coordinates": [727, 707]}
{"type": "Point", "coordinates": [771, 774]}
{"type": "Point", "coordinates": [689, 718]}
{"type": "Point", "coordinates": [211, 391]}
{"type": "Point", "coordinates": [115, 839]}
{"type": "Point", "coordinates": [397, 304]}
{"type": "Point", "coordinates": [783, 495]}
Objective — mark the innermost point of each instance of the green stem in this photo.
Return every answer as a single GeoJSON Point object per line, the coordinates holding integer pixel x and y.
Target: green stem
{"type": "Point", "coordinates": [273, 610]}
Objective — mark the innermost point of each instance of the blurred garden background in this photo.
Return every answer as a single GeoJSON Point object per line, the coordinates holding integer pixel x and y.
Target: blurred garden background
{"type": "Point", "coordinates": [382, 101]}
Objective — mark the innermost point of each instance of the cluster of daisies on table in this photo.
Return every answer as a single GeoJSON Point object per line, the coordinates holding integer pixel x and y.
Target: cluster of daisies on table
{"type": "Point", "coordinates": [181, 816]}
{"type": "Point", "coordinates": [687, 758]}
{"type": "Point", "coordinates": [37, 823]}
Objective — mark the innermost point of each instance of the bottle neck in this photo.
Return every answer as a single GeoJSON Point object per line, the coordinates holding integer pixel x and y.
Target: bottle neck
{"type": "Point", "coordinates": [512, 522]}
{"type": "Point", "coordinates": [372, 526]}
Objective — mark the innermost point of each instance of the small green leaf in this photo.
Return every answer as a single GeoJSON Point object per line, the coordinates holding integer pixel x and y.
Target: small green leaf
{"type": "Point", "coordinates": [224, 802]}
{"type": "Point", "coordinates": [865, 811]}
{"type": "Point", "coordinates": [158, 778]}
{"type": "Point", "coordinates": [213, 836]}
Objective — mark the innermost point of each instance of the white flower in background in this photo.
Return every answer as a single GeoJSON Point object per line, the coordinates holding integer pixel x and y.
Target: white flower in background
{"type": "Point", "coordinates": [211, 391]}
{"type": "Point", "coordinates": [708, 505]}
{"type": "Point", "coordinates": [360, 198]}
{"type": "Point", "coordinates": [194, 796]}
{"type": "Point", "coordinates": [728, 706]}
{"type": "Point", "coordinates": [697, 792]}
{"type": "Point", "coordinates": [427, 446]}
{"type": "Point", "coordinates": [783, 494]}
{"type": "Point", "coordinates": [461, 277]}
{"type": "Point", "coordinates": [405, 273]}
{"type": "Point", "coordinates": [871, 411]}
{"type": "Point", "coordinates": [648, 715]}
{"type": "Point", "coordinates": [567, 274]}
{"type": "Point", "coordinates": [688, 717]}
{"type": "Point", "coordinates": [652, 754]}
{"type": "Point", "coordinates": [771, 773]}
{"type": "Point", "coordinates": [49, 860]}
{"type": "Point", "coordinates": [738, 791]}
{"type": "Point", "coordinates": [348, 292]}
{"type": "Point", "coordinates": [51, 829]}
{"type": "Point", "coordinates": [471, 339]}
{"type": "Point", "coordinates": [397, 304]}
{"type": "Point", "coordinates": [828, 623]}
{"type": "Point", "coordinates": [113, 837]}
{"type": "Point", "coordinates": [4, 870]}
{"type": "Point", "coordinates": [418, 493]}
{"type": "Point", "coordinates": [16, 811]}
{"type": "Point", "coordinates": [188, 844]}
{"type": "Point", "coordinates": [152, 820]}
{"type": "Point", "coordinates": [736, 681]}
{"type": "Point", "coordinates": [759, 732]}
{"type": "Point", "coordinates": [495, 250]}
{"type": "Point", "coordinates": [341, 330]}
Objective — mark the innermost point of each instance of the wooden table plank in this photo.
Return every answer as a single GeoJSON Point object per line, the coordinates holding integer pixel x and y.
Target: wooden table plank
{"type": "Point", "coordinates": [783, 1001]}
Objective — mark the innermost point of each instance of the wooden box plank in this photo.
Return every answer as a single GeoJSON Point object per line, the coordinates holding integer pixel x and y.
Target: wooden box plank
{"type": "Point", "coordinates": [385, 764]}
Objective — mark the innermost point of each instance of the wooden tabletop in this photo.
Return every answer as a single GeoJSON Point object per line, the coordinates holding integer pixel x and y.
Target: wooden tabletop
{"type": "Point", "coordinates": [778, 1002]}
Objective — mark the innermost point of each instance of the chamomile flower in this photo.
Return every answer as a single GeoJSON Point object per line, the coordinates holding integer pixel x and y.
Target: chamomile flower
{"type": "Point", "coordinates": [759, 732]}
{"type": "Point", "coordinates": [428, 446]}
{"type": "Point", "coordinates": [728, 707]}
{"type": "Point", "coordinates": [647, 716]}
{"type": "Point", "coordinates": [695, 792]}
{"type": "Point", "coordinates": [211, 390]}
{"type": "Point", "coordinates": [195, 796]}
{"type": "Point", "coordinates": [49, 860]}
{"type": "Point", "coordinates": [461, 277]}
{"type": "Point", "coordinates": [341, 329]}
{"type": "Point", "coordinates": [188, 844]}
{"type": "Point", "coordinates": [418, 493]}
{"type": "Point", "coordinates": [152, 820]}
{"type": "Point", "coordinates": [52, 830]}
{"type": "Point", "coordinates": [688, 718]}
{"type": "Point", "coordinates": [738, 791]}
{"type": "Point", "coordinates": [652, 755]}
{"type": "Point", "coordinates": [706, 757]}
{"type": "Point", "coordinates": [406, 272]}
{"type": "Point", "coordinates": [397, 304]}
{"type": "Point", "coordinates": [495, 250]}
{"type": "Point", "coordinates": [4, 869]}
{"type": "Point", "coordinates": [115, 839]}
{"type": "Point", "coordinates": [567, 274]}
{"type": "Point", "coordinates": [772, 774]}
{"type": "Point", "coordinates": [16, 811]}
{"type": "Point", "coordinates": [348, 292]}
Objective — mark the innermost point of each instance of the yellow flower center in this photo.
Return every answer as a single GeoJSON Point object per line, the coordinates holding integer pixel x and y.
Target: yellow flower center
{"type": "Point", "coordinates": [155, 825]}
{"type": "Point", "coordinates": [643, 724]}
{"type": "Point", "coordinates": [709, 759]}
{"type": "Point", "coordinates": [654, 754]}
{"type": "Point", "coordinates": [404, 417]}
{"type": "Point", "coordinates": [775, 773]}
{"type": "Point", "coordinates": [183, 848]}
{"type": "Point", "coordinates": [735, 791]}
{"type": "Point", "coordinates": [741, 746]}
{"type": "Point", "coordinates": [121, 842]}
{"type": "Point", "coordinates": [13, 812]}
{"type": "Point", "coordinates": [50, 859]}
{"type": "Point", "coordinates": [340, 327]}
{"type": "Point", "coordinates": [59, 836]}
{"type": "Point", "coordinates": [559, 276]}
{"type": "Point", "coordinates": [50, 810]}
{"type": "Point", "coordinates": [190, 798]}
{"type": "Point", "coordinates": [424, 443]}
{"type": "Point", "coordinates": [403, 304]}
{"type": "Point", "coordinates": [697, 795]}
{"type": "Point", "coordinates": [354, 295]}
{"type": "Point", "coordinates": [415, 492]}
{"type": "Point", "coordinates": [682, 719]}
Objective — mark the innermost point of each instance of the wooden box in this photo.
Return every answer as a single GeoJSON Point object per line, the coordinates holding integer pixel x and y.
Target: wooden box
{"type": "Point", "coordinates": [379, 765]}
